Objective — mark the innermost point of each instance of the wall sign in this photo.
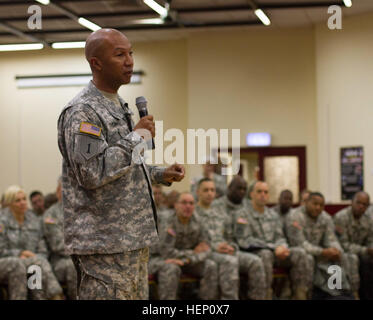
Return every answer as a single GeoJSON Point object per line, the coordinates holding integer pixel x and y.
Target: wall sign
{"type": "Point", "coordinates": [352, 174]}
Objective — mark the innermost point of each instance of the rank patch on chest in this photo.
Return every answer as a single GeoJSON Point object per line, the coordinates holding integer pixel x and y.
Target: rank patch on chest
{"type": "Point", "coordinates": [89, 128]}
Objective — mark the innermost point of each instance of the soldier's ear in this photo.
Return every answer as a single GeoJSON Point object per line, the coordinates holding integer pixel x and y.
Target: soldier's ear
{"type": "Point", "coordinates": [95, 64]}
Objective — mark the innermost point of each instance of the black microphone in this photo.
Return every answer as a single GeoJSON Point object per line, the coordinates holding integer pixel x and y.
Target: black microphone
{"type": "Point", "coordinates": [141, 104]}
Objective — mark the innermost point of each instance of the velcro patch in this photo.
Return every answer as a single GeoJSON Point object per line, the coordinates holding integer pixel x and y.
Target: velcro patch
{"type": "Point", "coordinates": [242, 221]}
{"type": "Point", "coordinates": [297, 225]}
{"type": "Point", "coordinates": [89, 128]}
{"type": "Point", "coordinates": [49, 221]}
{"type": "Point", "coordinates": [88, 146]}
{"type": "Point", "coordinates": [171, 232]}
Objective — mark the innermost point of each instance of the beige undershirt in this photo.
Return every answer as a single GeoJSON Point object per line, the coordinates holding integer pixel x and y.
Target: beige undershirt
{"type": "Point", "coordinates": [111, 96]}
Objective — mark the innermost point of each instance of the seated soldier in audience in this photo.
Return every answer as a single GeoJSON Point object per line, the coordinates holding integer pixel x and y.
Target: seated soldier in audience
{"type": "Point", "coordinates": [21, 237]}
{"type": "Point", "coordinates": [49, 200]}
{"type": "Point", "coordinates": [167, 270]}
{"type": "Point", "coordinates": [186, 241]}
{"type": "Point", "coordinates": [283, 208]}
{"type": "Point", "coordinates": [260, 227]}
{"type": "Point", "coordinates": [222, 252]}
{"type": "Point", "coordinates": [303, 198]}
{"type": "Point", "coordinates": [37, 202]}
{"type": "Point", "coordinates": [208, 171]}
{"type": "Point", "coordinates": [162, 210]}
{"type": "Point", "coordinates": [62, 264]}
{"type": "Point", "coordinates": [158, 197]}
{"type": "Point", "coordinates": [312, 229]}
{"type": "Point", "coordinates": [355, 233]}
{"type": "Point", "coordinates": [219, 220]}
{"type": "Point", "coordinates": [170, 200]}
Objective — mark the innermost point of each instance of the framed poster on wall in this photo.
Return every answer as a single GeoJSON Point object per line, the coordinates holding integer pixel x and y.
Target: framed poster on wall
{"type": "Point", "coordinates": [352, 173]}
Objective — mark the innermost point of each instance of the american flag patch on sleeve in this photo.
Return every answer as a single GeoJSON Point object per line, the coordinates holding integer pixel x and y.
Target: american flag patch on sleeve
{"type": "Point", "coordinates": [86, 127]}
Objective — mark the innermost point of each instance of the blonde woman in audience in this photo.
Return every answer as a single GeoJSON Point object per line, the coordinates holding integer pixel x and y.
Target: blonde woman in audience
{"type": "Point", "coordinates": [21, 237]}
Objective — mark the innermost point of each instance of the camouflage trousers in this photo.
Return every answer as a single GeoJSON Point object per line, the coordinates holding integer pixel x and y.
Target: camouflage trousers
{"type": "Point", "coordinates": [300, 269]}
{"type": "Point", "coordinates": [207, 271]}
{"type": "Point", "coordinates": [253, 266]}
{"type": "Point", "coordinates": [228, 275]}
{"type": "Point", "coordinates": [117, 276]}
{"type": "Point", "coordinates": [50, 285]}
{"type": "Point", "coordinates": [13, 273]}
{"type": "Point", "coordinates": [168, 275]}
{"type": "Point", "coordinates": [322, 275]}
{"type": "Point", "coordinates": [353, 264]}
{"type": "Point", "coordinates": [65, 272]}
{"type": "Point", "coordinates": [18, 285]}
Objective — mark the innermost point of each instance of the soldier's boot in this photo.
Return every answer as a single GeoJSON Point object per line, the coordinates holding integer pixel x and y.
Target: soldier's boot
{"type": "Point", "coordinates": [269, 294]}
{"type": "Point", "coordinates": [300, 293]}
{"type": "Point", "coordinates": [356, 295]}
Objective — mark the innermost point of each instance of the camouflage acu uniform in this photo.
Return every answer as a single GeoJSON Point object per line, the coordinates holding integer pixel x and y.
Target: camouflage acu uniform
{"type": "Point", "coordinates": [249, 263]}
{"type": "Point", "coordinates": [15, 238]}
{"type": "Point", "coordinates": [219, 181]}
{"type": "Point", "coordinates": [369, 212]}
{"type": "Point", "coordinates": [62, 264]}
{"type": "Point", "coordinates": [165, 214]}
{"type": "Point", "coordinates": [252, 228]}
{"type": "Point", "coordinates": [168, 274]}
{"type": "Point", "coordinates": [282, 216]}
{"type": "Point", "coordinates": [355, 236]}
{"type": "Point", "coordinates": [314, 236]}
{"type": "Point", "coordinates": [109, 211]}
{"type": "Point", "coordinates": [179, 241]}
{"type": "Point", "coordinates": [14, 274]}
{"type": "Point", "coordinates": [228, 266]}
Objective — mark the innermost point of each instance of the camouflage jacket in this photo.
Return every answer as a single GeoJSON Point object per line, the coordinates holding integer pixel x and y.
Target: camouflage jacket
{"type": "Point", "coordinates": [312, 235]}
{"type": "Point", "coordinates": [107, 198]}
{"type": "Point", "coordinates": [53, 231]}
{"type": "Point", "coordinates": [218, 226]}
{"type": "Point", "coordinates": [15, 238]}
{"type": "Point", "coordinates": [179, 240]}
{"type": "Point", "coordinates": [355, 235]}
{"type": "Point", "coordinates": [252, 228]}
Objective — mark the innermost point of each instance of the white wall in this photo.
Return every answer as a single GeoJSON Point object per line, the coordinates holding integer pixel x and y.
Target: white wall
{"type": "Point", "coordinates": [261, 80]}
{"type": "Point", "coordinates": [344, 69]}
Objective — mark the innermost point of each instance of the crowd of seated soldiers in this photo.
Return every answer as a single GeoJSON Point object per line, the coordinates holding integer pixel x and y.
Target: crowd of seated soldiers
{"type": "Point", "coordinates": [237, 247]}
{"type": "Point", "coordinates": [33, 263]}
{"type": "Point", "coordinates": [225, 240]}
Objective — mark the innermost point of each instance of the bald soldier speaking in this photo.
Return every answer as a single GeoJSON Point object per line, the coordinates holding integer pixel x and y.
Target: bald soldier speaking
{"type": "Point", "coordinates": [109, 211]}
